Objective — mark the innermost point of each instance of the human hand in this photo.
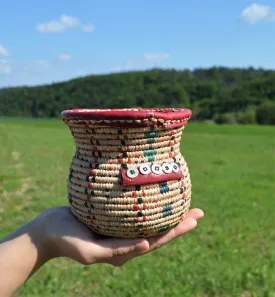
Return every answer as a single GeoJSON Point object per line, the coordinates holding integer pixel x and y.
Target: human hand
{"type": "Point", "coordinates": [57, 233]}
{"type": "Point", "coordinates": [65, 236]}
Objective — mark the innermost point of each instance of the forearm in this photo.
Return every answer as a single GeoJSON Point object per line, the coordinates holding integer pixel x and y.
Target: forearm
{"type": "Point", "coordinates": [57, 233]}
{"type": "Point", "coordinates": [21, 254]}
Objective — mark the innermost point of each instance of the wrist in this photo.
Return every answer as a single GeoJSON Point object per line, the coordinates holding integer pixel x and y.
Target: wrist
{"type": "Point", "coordinates": [50, 222]}
{"type": "Point", "coordinates": [42, 232]}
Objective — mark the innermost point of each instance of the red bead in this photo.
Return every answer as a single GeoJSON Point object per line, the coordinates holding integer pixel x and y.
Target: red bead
{"type": "Point", "coordinates": [136, 207]}
{"type": "Point", "coordinates": [134, 194]}
{"type": "Point", "coordinates": [144, 206]}
{"type": "Point", "coordinates": [129, 161]}
{"type": "Point", "coordinates": [144, 219]}
{"type": "Point", "coordinates": [136, 220]}
{"type": "Point", "coordinates": [90, 185]}
{"type": "Point", "coordinates": [92, 172]}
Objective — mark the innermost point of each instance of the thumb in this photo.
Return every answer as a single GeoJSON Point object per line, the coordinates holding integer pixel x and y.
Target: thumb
{"type": "Point", "coordinates": [120, 247]}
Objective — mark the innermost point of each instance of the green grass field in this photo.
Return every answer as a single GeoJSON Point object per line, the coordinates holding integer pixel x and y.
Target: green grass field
{"type": "Point", "coordinates": [230, 253]}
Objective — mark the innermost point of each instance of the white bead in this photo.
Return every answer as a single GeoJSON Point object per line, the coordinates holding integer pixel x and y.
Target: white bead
{"type": "Point", "coordinates": [144, 169]}
{"type": "Point", "coordinates": [132, 172]}
{"type": "Point", "coordinates": [156, 168]}
{"type": "Point", "coordinates": [167, 168]}
{"type": "Point", "coordinates": [175, 167]}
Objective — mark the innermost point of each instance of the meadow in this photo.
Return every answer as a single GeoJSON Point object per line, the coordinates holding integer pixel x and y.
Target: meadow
{"type": "Point", "coordinates": [230, 253]}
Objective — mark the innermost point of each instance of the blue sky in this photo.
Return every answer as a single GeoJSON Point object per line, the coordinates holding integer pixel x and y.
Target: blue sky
{"type": "Point", "coordinates": [46, 41]}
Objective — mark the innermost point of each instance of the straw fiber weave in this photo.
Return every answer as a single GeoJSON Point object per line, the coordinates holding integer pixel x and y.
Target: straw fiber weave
{"type": "Point", "coordinates": [120, 154]}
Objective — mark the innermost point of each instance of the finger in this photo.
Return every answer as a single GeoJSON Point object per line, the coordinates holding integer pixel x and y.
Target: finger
{"type": "Point", "coordinates": [195, 213]}
{"type": "Point", "coordinates": [110, 248]}
{"type": "Point", "coordinates": [130, 248]}
{"type": "Point", "coordinates": [156, 242]}
{"type": "Point", "coordinates": [186, 225]}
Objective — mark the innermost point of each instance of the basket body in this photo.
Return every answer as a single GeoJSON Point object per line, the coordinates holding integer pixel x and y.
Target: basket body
{"type": "Point", "coordinates": [128, 178]}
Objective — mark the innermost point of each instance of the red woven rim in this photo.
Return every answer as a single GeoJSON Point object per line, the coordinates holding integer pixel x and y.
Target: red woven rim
{"type": "Point", "coordinates": [127, 114]}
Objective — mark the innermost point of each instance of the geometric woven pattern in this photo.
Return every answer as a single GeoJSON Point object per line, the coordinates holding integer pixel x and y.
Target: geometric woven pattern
{"type": "Point", "coordinates": [108, 143]}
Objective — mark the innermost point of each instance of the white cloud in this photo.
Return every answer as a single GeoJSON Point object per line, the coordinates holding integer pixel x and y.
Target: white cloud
{"type": "Point", "coordinates": [43, 63]}
{"type": "Point", "coordinates": [69, 21]}
{"type": "Point", "coordinates": [5, 66]}
{"type": "Point", "coordinates": [155, 57]}
{"type": "Point", "coordinates": [256, 13]}
{"type": "Point", "coordinates": [88, 28]}
{"type": "Point", "coordinates": [3, 51]}
{"type": "Point", "coordinates": [64, 23]}
{"type": "Point", "coordinates": [64, 57]}
{"type": "Point", "coordinates": [146, 61]}
{"type": "Point", "coordinates": [50, 27]}
{"type": "Point", "coordinates": [36, 67]}
{"type": "Point", "coordinates": [44, 66]}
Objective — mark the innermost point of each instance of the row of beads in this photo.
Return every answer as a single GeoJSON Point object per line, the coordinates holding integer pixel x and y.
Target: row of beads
{"type": "Point", "coordinates": [167, 168]}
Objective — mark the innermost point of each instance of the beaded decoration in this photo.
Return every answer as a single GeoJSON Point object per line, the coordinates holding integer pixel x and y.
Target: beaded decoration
{"type": "Point", "coordinates": [128, 177]}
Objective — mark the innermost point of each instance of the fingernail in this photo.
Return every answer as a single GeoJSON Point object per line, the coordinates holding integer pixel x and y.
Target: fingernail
{"type": "Point", "coordinates": [193, 222]}
{"type": "Point", "coordinates": [201, 214]}
{"type": "Point", "coordinates": [141, 246]}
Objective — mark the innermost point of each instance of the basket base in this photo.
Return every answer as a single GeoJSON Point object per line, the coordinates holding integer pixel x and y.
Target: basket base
{"type": "Point", "coordinates": [119, 233]}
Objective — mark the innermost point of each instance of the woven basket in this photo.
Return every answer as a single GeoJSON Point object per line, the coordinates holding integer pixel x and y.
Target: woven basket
{"type": "Point", "coordinates": [128, 178]}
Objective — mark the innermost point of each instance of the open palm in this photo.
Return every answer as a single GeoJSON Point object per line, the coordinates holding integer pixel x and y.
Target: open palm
{"type": "Point", "coordinates": [67, 237]}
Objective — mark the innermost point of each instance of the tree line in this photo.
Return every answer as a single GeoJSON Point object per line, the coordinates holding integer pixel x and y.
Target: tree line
{"type": "Point", "coordinates": [219, 94]}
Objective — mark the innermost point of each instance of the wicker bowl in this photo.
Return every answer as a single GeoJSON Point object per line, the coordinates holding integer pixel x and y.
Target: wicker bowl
{"type": "Point", "coordinates": [128, 178]}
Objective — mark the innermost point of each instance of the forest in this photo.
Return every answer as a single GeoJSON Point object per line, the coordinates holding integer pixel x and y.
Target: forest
{"type": "Point", "coordinates": [217, 94]}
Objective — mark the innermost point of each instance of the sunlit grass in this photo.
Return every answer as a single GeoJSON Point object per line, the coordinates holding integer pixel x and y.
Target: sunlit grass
{"type": "Point", "coordinates": [232, 251]}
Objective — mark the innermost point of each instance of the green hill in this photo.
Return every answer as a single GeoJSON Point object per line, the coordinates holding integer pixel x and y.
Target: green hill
{"type": "Point", "coordinates": [225, 95]}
